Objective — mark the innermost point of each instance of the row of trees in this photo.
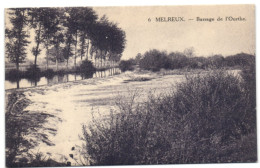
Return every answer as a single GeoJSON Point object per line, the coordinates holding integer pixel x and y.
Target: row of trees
{"type": "Point", "coordinates": [65, 33]}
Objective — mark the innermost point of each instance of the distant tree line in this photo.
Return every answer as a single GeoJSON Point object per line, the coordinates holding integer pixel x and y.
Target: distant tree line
{"type": "Point", "coordinates": [65, 33]}
{"type": "Point", "coordinates": [155, 60]}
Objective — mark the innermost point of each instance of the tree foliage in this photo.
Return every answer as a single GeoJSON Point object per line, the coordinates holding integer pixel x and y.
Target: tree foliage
{"type": "Point", "coordinates": [75, 31]}
{"type": "Point", "coordinates": [17, 36]}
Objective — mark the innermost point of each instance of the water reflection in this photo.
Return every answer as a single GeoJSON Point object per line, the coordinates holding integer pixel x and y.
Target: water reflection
{"type": "Point", "coordinates": [61, 78]}
{"type": "Point", "coordinates": [34, 80]}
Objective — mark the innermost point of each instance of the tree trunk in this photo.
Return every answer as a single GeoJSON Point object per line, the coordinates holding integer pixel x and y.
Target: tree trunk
{"type": "Point", "coordinates": [37, 45]}
{"type": "Point", "coordinates": [47, 56]}
{"type": "Point", "coordinates": [87, 50]}
{"type": "Point", "coordinates": [82, 46]}
{"type": "Point", "coordinates": [101, 57]}
{"type": "Point", "coordinates": [96, 59]}
{"type": "Point", "coordinates": [17, 65]}
{"type": "Point", "coordinates": [57, 54]}
{"type": "Point", "coordinates": [101, 61]}
{"type": "Point", "coordinates": [17, 84]}
{"type": "Point", "coordinates": [67, 64]}
{"type": "Point", "coordinates": [35, 62]}
{"type": "Point", "coordinates": [75, 58]}
{"type": "Point", "coordinates": [56, 64]}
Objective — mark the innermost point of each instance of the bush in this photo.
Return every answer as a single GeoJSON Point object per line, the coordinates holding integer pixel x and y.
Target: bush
{"type": "Point", "coordinates": [14, 129]}
{"type": "Point", "coordinates": [33, 72]}
{"type": "Point", "coordinates": [49, 73]}
{"type": "Point", "coordinates": [61, 72]}
{"type": "Point", "coordinates": [126, 65]}
{"type": "Point", "coordinates": [241, 60]}
{"type": "Point", "coordinates": [86, 68]}
{"type": "Point", "coordinates": [216, 61]}
{"type": "Point", "coordinates": [178, 60]}
{"type": "Point", "coordinates": [20, 124]}
{"type": "Point", "coordinates": [207, 119]}
{"type": "Point", "coordinates": [249, 84]}
{"type": "Point", "coordinates": [155, 60]}
{"type": "Point", "coordinates": [13, 75]}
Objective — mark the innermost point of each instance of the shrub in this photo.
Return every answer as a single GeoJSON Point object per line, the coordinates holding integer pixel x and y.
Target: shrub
{"type": "Point", "coordinates": [33, 72]}
{"type": "Point", "coordinates": [14, 130]}
{"type": "Point", "coordinates": [178, 60]}
{"type": "Point", "coordinates": [241, 60]}
{"type": "Point", "coordinates": [86, 68]}
{"type": "Point", "coordinates": [216, 61]}
{"type": "Point", "coordinates": [20, 123]}
{"type": "Point", "coordinates": [155, 60]}
{"type": "Point", "coordinates": [13, 75]}
{"type": "Point", "coordinates": [207, 119]}
{"type": "Point", "coordinates": [37, 160]}
{"type": "Point", "coordinates": [126, 65]}
{"type": "Point", "coordinates": [49, 73]}
{"type": "Point", "coordinates": [61, 72]}
{"type": "Point", "coordinates": [249, 84]}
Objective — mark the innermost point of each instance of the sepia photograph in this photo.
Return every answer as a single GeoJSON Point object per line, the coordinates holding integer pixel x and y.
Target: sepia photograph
{"type": "Point", "coordinates": [130, 85]}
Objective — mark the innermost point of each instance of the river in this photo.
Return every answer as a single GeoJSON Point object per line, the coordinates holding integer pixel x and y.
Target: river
{"type": "Point", "coordinates": [25, 83]}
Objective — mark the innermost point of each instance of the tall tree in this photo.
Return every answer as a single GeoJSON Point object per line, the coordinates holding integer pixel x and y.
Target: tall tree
{"type": "Point", "coordinates": [68, 50]}
{"type": "Point", "coordinates": [51, 24]}
{"type": "Point", "coordinates": [88, 18]}
{"type": "Point", "coordinates": [99, 37]}
{"type": "Point", "coordinates": [74, 26]}
{"type": "Point", "coordinates": [58, 39]}
{"type": "Point", "coordinates": [108, 38]}
{"type": "Point", "coordinates": [37, 21]}
{"type": "Point", "coordinates": [116, 40]}
{"type": "Point", "coordinates": [93, 54]}
{"type": "Point", "coordinates": [17, 36]}
{"type": "Point", "coordinates": [56, 54]}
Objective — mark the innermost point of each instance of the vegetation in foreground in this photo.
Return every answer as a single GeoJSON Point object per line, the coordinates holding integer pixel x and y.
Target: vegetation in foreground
{"type": "Point", "coordinates": [208, 119]}
{"type": "Point", "coordinates": [19, 124]}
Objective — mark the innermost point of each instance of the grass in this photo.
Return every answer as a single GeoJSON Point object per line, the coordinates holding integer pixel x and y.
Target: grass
{"type": "Point", "coordinates": [210, 118]}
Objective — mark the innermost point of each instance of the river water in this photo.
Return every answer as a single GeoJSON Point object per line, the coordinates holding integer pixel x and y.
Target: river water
{"type": "Point", "coordinates": [25, 83]}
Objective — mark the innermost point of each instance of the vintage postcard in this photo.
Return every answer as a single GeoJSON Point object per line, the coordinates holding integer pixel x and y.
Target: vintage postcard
{"type": "Point", "coordinates": [130, 85]}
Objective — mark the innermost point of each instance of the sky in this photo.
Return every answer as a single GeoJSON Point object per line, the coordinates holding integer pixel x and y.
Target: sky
{"type": "Point", "coordinates": [207, 38]}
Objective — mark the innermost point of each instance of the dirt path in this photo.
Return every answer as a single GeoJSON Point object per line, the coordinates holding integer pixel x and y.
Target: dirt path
{"type": "Point", "coordinates": [72, 103]}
